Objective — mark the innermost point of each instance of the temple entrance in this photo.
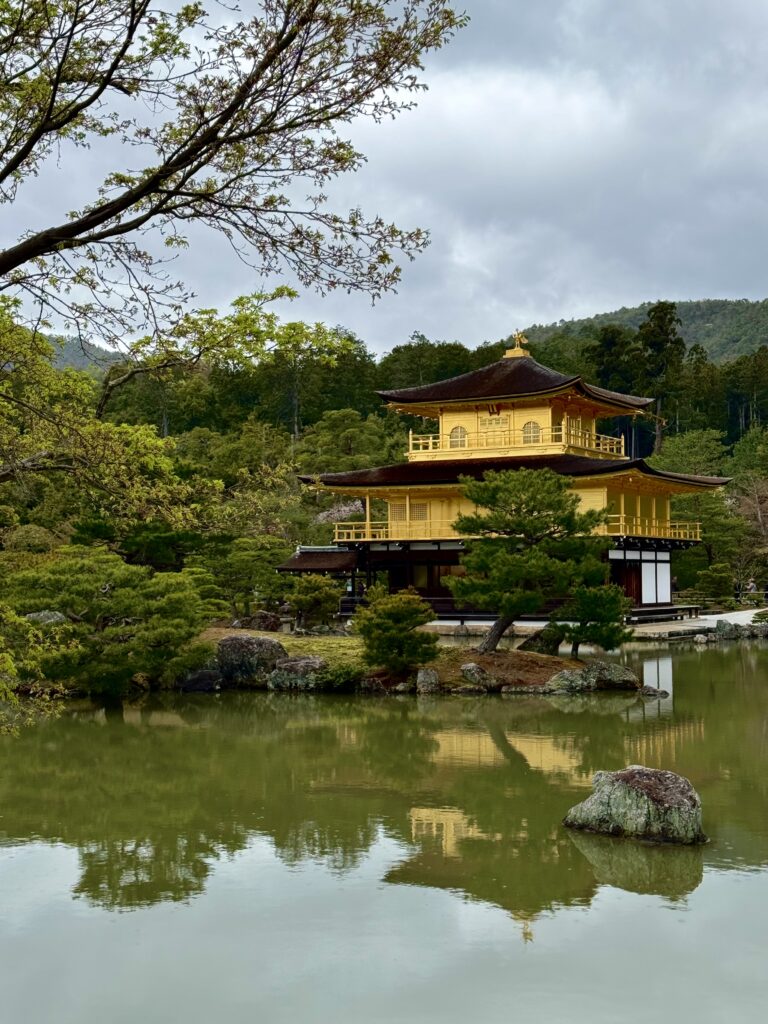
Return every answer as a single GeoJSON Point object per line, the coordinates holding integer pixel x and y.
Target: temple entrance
{"type": "Point", "coordinates": [627, 575]}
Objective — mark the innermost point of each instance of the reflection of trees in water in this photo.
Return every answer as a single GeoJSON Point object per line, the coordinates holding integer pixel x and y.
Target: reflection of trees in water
{"type": "Point", "coordinates": [121, 874]}
{"type": "Point", "coordinates": [151, 796]}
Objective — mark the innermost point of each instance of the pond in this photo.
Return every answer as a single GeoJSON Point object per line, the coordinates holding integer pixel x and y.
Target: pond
{"type": "Point", "coordinates": [254, 857]}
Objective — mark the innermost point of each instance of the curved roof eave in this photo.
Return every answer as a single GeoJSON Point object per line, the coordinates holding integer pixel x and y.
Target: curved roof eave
{"type": "Point", "coordinates": [441, 473]}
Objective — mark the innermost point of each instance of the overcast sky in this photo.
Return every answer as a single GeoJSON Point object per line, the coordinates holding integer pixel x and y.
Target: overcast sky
{"type": "Point", "coordinates": [571, 157]}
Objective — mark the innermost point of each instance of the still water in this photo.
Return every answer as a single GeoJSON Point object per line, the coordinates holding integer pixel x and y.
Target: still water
{"type": "Point", "coordinates": [265, 858]}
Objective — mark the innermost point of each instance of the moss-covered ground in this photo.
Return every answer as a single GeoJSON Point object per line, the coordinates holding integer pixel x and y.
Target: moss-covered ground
{"type": "Point", "coordinates": [512, 668]}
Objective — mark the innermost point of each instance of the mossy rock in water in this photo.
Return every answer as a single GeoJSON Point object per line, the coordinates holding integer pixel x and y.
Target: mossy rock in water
{"type": "Point", "coordinates": [641, 803]}
{"type": "Point", "coordinates": [301, 673]}
{"type": "Point", "coordinates": [596, 675]}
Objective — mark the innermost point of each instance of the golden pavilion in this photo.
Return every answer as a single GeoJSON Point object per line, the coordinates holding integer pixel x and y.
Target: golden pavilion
{"type": "Point", "coordinates": [514, 413]}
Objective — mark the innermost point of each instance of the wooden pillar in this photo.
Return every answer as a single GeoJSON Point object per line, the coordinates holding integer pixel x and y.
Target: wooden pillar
{"type": "Point", "coordinates": [368, 514]}
{"type": "Point", "coordinates": [408, 514]}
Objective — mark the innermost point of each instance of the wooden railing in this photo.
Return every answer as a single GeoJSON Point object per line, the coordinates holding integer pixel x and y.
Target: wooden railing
{"type": "Point", "coordinates": [416, 529]}
{"type": "Point", "coordinates": [639, 526]}
{"type": "Point", "coordinates": [422, 529]}
{"type": "Point", "coordinates": [543, 437]}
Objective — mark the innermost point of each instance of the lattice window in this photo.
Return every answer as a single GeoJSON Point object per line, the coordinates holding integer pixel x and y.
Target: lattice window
{"type": "Point", "coordinates": [531, 432]}
{"type": "Point", "coordinates": [458, 438]}
{"type": "Point", "coordinates": [419, 510]}
{"type": "Point", "coordinates": [397, 511]}
{"type": "Point", "coordinates": [493, 422]}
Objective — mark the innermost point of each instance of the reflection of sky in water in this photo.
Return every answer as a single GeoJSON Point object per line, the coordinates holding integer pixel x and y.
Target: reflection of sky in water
{"type": "Point", "coordinates": [274, 944]}
{"type": "Point", "coordinates": [386, 861]}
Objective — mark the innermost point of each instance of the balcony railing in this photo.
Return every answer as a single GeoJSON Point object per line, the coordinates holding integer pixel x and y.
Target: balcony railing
{"type": "Point", "coordinates": [528, 439]}
{"type": "Point", "coordinates": [416, 529]}
{"type": "Point", "coordinates": [617, 526]}
{"type": "Point", "coordinates": [639, 526]}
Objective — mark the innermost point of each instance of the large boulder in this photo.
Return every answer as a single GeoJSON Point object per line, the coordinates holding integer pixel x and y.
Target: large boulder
{"type": "Point", "coordinates": [596, 675]}
{"type": "Point", "coordinates": [204, 680]}
{"type": "Point", "coordinates": [303, 672]}
{"type": "Point", "coordinates": [725, 630]}
{"type": "Point", "coordinates": [477, 679]}
{"type": "Point", "coordinates": [544, 641]}
{"type": "Point", "coordinates": [269, 622]}
{"type": "Point", "coordinates": [641, 803]}
{"type": "Point", "coordinates": [246, 660]}
{"type": "Point", "coordinates": [427, 681]}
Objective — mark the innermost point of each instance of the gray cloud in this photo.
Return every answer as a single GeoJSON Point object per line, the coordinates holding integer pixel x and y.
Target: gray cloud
{"type": "Point", "coordinates": [570, 157]}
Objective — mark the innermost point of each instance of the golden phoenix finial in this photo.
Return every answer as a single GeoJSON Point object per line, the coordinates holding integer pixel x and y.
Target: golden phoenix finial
{"type": "Point", "coordinates": [519, 339]}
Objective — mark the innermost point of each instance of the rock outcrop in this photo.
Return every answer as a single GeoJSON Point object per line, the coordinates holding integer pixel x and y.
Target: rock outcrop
{"type": "Point", "coordinates": [300, 673]}
{"type": "Point", "coordinates": [544, 641]}
{"type": "Point", "coordinates": [596, 675]}
{"type": "Point", "coordinates": [476, 677]}
{"type": "Point", "coordinates": [269, 622]}
{"type": "Point", "coordinates": [246, 660]}
{"type": "Point", "coordinates": [725, 630]}
{"type": "Point", "coordinates": [427, 681]}
{"type": "Point", "coordinates": [641, 803]}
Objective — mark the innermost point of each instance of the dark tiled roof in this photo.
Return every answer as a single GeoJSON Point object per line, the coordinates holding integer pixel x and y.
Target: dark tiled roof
{"type": "Point", "coordinates": [448, 472]}
{"type": "Point", "coordinates": [507, 378]}
{"type": "Point", "coordinates": [320, 561]}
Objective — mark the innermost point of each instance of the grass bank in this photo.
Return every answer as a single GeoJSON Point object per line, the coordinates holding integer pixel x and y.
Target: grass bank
{"type": "Point", "coordinates": [513, 668]}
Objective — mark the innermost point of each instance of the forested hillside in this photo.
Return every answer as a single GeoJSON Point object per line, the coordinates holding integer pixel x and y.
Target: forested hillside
{"type": "Point", "coordinates": [725, 328]}
{"type": "Point", "coordinates": [161, 491]}
{"type": "Point", "coordinates": [71, 353]}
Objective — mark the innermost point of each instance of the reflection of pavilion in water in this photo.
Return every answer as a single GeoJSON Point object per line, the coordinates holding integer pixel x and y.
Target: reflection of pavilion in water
{"type": "Point", "coordinates": [447, 825]}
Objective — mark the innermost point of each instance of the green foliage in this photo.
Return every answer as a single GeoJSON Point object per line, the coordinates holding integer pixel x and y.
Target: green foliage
{"type": "Point", "coordinates": [595, 615]}
{"type": "Point", "coordinates": [700, 452]}
{"type": "Point", "coordinates": [29, 538]}
{"type": "Point", "coordinates": [123, 621]}
{"type": "Point", "coordinates": [278, 83]}
{"type": "Point", "coordinates": [243, 571]}
{"type": "Point", "coordinates": [389, 626]}
{"type": "Point", "coordinates": [342, 440]}
{"type": "Point", "coordinates": [716, 581]}
{"type": "Point", "coordinates": [342, 678]}
{"type": "Point", "coordinates": [533, 545]}
{"type": "Point", "coordinates": [315, 599]}
{"type": "Point", "coordinates": [724, 328]}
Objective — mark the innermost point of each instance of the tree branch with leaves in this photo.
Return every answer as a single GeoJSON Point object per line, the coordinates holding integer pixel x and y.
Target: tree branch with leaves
{"type": "Point", "coordinates": [228, 122]}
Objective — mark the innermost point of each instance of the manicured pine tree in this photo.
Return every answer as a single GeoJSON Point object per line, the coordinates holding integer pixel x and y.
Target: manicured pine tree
{"type": "Point", "coordinates": [531, 545]}
{"type": "Point", "coordinates": [595, 615]}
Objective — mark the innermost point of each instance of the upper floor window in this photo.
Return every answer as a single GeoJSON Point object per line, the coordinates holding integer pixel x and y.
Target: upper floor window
{"type": "Point", "coordinates": [458, 438]}
{"type": "Point", "coordinates": [531, 432]}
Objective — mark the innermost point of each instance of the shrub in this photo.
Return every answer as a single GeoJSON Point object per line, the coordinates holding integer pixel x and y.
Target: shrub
{"type": "Point", "coordinates": [389, 627]}
{"type": "Point", "coordinates": [340, 678]}
{"type": "Point", "coordinates": [29, 538]}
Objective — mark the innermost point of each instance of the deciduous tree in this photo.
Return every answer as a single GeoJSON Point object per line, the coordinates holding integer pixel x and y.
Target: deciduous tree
{"type": "Point", "coordinates": [227, 122]}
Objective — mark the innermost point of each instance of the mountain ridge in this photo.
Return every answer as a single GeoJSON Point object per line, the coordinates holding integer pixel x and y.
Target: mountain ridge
{"type": "Point", "coordinates": [725, 328]}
